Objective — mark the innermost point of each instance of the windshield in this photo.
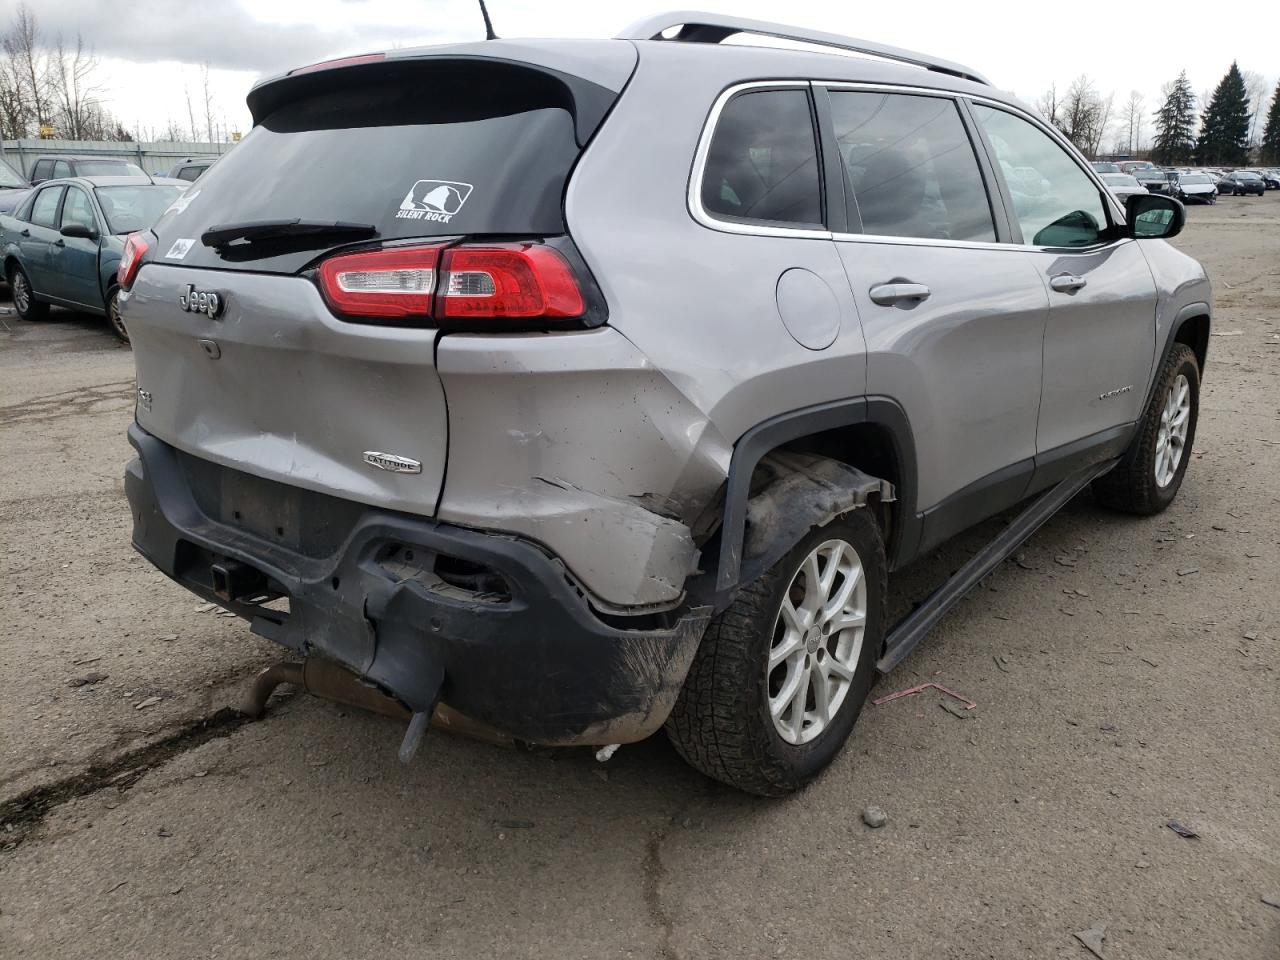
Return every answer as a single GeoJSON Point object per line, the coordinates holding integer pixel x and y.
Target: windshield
{"type": "Point", "coordinates": [1193, 178]}
{"type": "Point", "coordinates": [108, 168]}
{"type": "Point", "coordinates": [1247, 176]}
{"type": "Point", "coordinates": [1119, 180]}
{"type": "Point", "coordinates": [135, 207]}
{"type": "Point", "coordinates": [9, 177]}
{"type": "Point", "coordinates": [1150, 174]}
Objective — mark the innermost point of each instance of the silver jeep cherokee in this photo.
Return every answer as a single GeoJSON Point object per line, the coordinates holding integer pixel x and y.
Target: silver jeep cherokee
{"type": "Point", "coordinates": [567, 389]}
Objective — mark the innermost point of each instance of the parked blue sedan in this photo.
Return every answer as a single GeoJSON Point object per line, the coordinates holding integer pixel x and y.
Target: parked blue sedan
{"type": "Point", "coordinates": [63, 243]}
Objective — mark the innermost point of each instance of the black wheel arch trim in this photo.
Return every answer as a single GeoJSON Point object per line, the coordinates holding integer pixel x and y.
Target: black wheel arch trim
{"type": "Point", "coordinates": [1186, 314]}
{"type": "Point", "coordinates": [765, 437]}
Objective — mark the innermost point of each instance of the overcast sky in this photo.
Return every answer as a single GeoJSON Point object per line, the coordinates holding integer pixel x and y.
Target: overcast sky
{"type": "Point", "coordinates": [151, 49]}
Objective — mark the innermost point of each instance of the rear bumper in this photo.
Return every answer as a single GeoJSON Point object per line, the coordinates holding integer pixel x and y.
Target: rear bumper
{"type": "Point", "coordinates": [532, 660]}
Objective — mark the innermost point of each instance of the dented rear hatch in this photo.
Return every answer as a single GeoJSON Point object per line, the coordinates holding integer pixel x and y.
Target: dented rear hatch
{"type": "Point", "coordinates": [241, 359]}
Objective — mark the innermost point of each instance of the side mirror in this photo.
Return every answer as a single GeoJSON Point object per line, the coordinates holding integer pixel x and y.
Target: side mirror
{"type": "Point", "coordinates": [1152, 216]}
{"type": "Point", "coordinates": [79, 230]}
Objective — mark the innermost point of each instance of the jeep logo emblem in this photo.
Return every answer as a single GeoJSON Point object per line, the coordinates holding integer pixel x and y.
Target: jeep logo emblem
{"type": "Point", "coordinates": [199, 301]}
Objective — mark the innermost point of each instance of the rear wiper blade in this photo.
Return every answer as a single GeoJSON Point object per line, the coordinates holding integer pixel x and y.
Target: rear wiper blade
{"type": "Point", "coordinates": [251, 231]}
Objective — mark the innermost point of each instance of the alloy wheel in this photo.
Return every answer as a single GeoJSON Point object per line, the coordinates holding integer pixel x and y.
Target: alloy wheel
{"type": "Point", "coordinates": [117, 322]}
{"type": "Point", "coordinates": [1171, 440]}
{"type": "Point", "coordinates": [817, 640]}
{"type": "Point", "coordinates": [21, 291]}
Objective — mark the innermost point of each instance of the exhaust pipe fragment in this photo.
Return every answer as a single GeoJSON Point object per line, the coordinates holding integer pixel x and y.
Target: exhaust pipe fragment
{"type": "Point", "coordinates": [331, 681]}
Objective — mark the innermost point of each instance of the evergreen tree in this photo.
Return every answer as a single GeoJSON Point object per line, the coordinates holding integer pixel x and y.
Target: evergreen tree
{"type": "Point", "coordinates": [1224, 130]}
{"type": "Point", "coordinates": [1174, 141]}
{"type": "Point", "coordinates": [1271, 136]}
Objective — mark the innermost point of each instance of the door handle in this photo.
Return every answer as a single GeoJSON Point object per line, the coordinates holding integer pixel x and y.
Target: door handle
{"type": "Point", "coordinates": [1067, 283]}
{"type": "Point", "coordinates": [898, 291]}
{"type": "Point", "coordinates": [59, 242]}
{"type": "Point", "coordinates": [24, 233]}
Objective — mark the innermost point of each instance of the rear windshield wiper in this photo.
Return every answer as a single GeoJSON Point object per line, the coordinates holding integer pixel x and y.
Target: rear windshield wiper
{"type": "Point", "coordinates": [253, 231]}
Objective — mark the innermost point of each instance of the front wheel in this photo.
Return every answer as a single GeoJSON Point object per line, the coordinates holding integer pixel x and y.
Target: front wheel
{"type": "Point", "coordinates": [24, 298]}
{"type": "Point", "coordinates": [1148, 476]}
{"type": "Point", "coordinates": [782, 674]}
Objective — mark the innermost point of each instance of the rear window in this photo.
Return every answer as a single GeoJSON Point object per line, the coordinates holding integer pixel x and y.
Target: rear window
{"type": "Point", "coordinates": [9, 177]}
{"type": "Point", "coordinates": [108, 168]}
{"type": "Point", "coordinates": [136, 207]}
{"type": "Point", "coordinates": [471, 149]}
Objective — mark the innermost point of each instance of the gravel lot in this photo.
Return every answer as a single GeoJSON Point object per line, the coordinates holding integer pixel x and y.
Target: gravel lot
{"type": "Point", "coordinates": [1125, 670]}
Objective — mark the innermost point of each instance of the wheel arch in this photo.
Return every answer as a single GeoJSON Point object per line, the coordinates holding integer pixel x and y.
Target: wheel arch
{"type": "Point", "coordinates": [1191, 326]}
{"type": "Point", "coordinates": [871, 434]}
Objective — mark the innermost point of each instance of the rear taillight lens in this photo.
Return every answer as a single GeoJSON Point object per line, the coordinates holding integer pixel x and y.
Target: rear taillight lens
{"type": "Point", "coordinates": [135, 245]}
{"type": "Point", "coordinates": [508, 280]}
{"type": "Point", "coordinates": [395, 284]}
{"type": "Point", "coordinates": [474, 286]}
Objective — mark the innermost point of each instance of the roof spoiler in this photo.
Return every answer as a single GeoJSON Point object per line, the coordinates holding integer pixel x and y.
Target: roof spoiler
{"type": "Point", "coordinates": [697, 27]}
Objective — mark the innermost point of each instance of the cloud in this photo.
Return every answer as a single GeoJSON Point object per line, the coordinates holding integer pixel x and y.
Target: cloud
{"type": "Point", "coordinates": [222, 33]}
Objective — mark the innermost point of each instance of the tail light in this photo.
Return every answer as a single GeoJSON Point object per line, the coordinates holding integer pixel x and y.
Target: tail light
{"type": "Point", "coordinates": [135, 245]}
{"type": "Point", "coordinates": [475, 286]}
{"type": "Point", "coordinates": [394, 284]}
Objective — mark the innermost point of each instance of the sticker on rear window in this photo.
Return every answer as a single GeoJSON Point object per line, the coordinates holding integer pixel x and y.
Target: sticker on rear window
{"type": "Point", "coordinates": [179, 249]}
{"type": "Point", "coordinates": [436, 200]}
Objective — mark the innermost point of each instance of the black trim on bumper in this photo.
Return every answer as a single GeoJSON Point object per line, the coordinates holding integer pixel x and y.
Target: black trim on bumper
{"type": "Point", "coordinates": [538, 665]}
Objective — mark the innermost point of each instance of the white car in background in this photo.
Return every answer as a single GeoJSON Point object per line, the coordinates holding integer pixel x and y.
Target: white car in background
{"type": "Point", "coordinates": [1194, 186]}
{"type": "Point", "coordinates": [1122, 186]}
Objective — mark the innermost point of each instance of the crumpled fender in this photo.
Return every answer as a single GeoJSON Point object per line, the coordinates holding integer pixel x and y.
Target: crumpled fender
{"type": "Point", "coordinates": [800, 491]}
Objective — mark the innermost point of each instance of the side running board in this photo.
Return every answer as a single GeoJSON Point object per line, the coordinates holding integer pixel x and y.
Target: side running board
{"type": "Point", "coordinates": [912, 628]}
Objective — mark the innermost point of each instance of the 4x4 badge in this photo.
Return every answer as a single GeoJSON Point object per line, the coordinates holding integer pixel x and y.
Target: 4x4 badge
{"type": "Point", "coordinates": [389, 461]}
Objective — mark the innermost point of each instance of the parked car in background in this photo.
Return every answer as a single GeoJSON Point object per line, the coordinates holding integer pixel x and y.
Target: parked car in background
{"type": "Point", "coordinates": [13, 187]}
{"type": "Point", "coordinates": [1122, 186]}
{"type": "Point", "coordinates": [1270, 178]}
{"type": "Point", "coordinates": [64, 243]}
{"type": "Point", "coordinates": [1105, 166]}
{"type": "Point", "coordinates": [190, 169]}
{"type": "Point", "coordinates": [1193, 186]}
{"type": "Point", "coordinates": [48, 168]}
{"type": "Point", "coordinates": [1239, 183]}
{"type": "Point", "coordinates": [706, 551]}
{"type": "Point", "coordinates": [1129, 166]}
{"type": "Point", "coordinates": [1156, 181]}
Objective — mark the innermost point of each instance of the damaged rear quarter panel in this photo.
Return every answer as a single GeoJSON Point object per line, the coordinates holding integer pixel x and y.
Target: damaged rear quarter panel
{"type": "Point", "coordinates": [575, 440]}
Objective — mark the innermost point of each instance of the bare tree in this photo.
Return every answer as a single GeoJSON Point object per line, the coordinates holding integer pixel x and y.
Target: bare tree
{"type": "Point", "coordinates": [24, 47]}
{"type": "Point", "coordinates": [1259, 92]}
{"type": "Point", "coordinates": [13, 105]}
{"type": "Point", "coordinates": [1133, 117]}
{"type": "Point", "coordinates": [208, 102]}
{"type": "Point", "coordinates": [77, 96]}
{"type": "Point", "coordinates": [1083, 114]}
{"type": "Point", "coordinates": [1048, 104]}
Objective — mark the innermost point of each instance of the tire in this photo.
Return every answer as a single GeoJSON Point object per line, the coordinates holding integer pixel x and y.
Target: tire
{"type": "Point", "coordinates": [113, 315]}
{"type": "Point", "coordinates": [24, 299]}
{"type": "Point", "coordinates": [722, 723]}
{"type": "Point", "coordinates": [1145, 482]}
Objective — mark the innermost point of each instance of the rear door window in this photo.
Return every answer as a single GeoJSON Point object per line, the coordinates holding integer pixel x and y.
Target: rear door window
{"type": "Point", "coordinates": [910, 167]}
{"type": "Point", "coordinates": [1055, 202]}
{"type": "Point", "coordinates": [44, 212]}
{"type": "Point", "coordinates": [62, 169]}
{"type": "Point", "coordinates": [448, 149]}
{"type": "Point", "coordinates": [43, 170]}
{"type": "Point", "coordinates": [762, 165]}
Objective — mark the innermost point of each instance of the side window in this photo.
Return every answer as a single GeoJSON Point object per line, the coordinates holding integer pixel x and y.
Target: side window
{"type": "Point", "coordinates": [1055, 202]}
{"type": "Point", "coordinates": [43, 170]}
{"type": "Point", "coordinates": [763, 161]}
{"type": "Point", "coordinates": [189, 173]}
{"type": "Point", "coordinates": [61, 169]}
{"type": "Point", "coordinates": [909, 166]}
{"type": "Point", "coordinates": [44, 212]}
{"type": "Point", "coordinates": [78, 209]}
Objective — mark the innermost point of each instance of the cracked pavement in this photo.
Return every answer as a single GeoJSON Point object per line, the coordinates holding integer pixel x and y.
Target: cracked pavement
{"type": "Point", "coordinates": [1114, 695]}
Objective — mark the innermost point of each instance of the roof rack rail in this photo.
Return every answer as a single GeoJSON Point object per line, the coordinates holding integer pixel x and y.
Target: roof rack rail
{"type": "Point", "coordinates": [699, 27]}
